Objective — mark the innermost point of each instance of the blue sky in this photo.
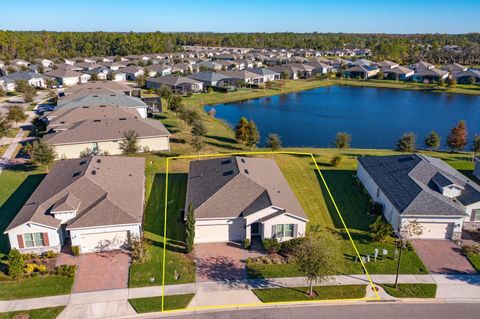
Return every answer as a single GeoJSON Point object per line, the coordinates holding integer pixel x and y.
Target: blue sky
{"type": "Point", "coordinates": [367, 16]}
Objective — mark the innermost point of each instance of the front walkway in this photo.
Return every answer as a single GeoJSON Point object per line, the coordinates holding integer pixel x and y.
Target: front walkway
{"type": "Point", "coordinates": [443, 257]}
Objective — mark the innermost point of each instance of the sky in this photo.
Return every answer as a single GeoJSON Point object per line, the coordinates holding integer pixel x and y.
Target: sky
{"type": "Point", "coordinates": [349, 16]}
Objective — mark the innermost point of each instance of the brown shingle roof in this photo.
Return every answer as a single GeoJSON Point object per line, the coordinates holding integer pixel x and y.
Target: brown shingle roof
{"type": "Point", "coordinates": [238, 186]}
{"type": "Point", "coordinates": [109, 191]}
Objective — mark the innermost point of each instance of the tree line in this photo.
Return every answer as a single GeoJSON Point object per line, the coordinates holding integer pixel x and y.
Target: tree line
{"type": "Point", "coordinates": [402, 48]}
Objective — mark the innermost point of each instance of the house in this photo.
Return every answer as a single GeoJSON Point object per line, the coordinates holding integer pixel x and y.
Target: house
{"type": "Point", "coordinates": [19, 63]}
{"type": "Point", "coordinates": [95, 203]}
{"type": "Point", "coordinates": [238, 198]}
{"type": "Point", "coordinates": [454, 68]}
{"type": "Point", "coordinates": [178, 84]}
{"type": "Point", "coordinates": [34, 79]}
{"type": "Point", "coordinates": [160, 70]}
{"type": "Point", "coordinates": [210, 78]}
{"type": "Point", "coordinates": [68, 77]}
{"type": "Point", "coordinates": [267, 74]}
{"type": "Point", "coordinates": [471, 76]}
{"type": "Point", "coordinates": [361, 71]}
{"type": "Point", "coordinates": [295, 71]}
{"type": "Point", "coordinates": [132, 72]}
{"type": "Point", "coordinates": [421, 66]}
{"type": "Point", "coordinates": [431, 75]}
{"type": "Point", "coordinates": [45, 62]}
{"type": "Point", "coordinates": [100, 129]}
{"type": "Point", "coordinates": [399, 73]}
{"type": "Point", "coordinates": [386, 65]}
{"type": "Point", "coordinates": [424, 189]}
{"type": "Point", "coordinates": [321, 68]}
{"type": "Point", "coordinates": [208, 66]}
{"type": "Point", "coordinates": [101, 97]}
{"type": "Point", "coordinates": [100, 71]}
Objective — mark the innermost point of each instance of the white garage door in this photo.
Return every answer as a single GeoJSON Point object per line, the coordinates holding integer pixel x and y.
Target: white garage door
{"type": "Point", "coordinates": [103, 241]}
{"type": "Point", "coordinates": [437, 230]}
{"type": "Point", "coordinates": [219, 233]}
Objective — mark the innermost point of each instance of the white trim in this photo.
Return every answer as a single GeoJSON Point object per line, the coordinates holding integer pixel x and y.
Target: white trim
{"type": "Point", "coordinates": [104, 226]}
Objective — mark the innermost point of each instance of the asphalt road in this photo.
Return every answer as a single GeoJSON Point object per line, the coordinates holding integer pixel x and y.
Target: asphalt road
{"type": "Point", "coordinates": [367, 311]}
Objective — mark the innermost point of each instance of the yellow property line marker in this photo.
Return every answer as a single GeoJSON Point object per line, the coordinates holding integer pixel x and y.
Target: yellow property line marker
{"type": "Point", "coordinates": [377, 297]}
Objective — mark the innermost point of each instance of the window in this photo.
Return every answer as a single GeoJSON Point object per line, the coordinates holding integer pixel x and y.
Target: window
{"type": "Point", "coordinates": [284, 230]}
{"type": "Point", "coordinates": [476, 215]}
{"type": "Point", "coordinates": [33, 240]}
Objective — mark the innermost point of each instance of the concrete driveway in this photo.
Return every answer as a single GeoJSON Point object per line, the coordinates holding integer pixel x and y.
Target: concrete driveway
{"type": "Point", "coordinates": [443, 257]}
{"type": "Point", "coordinates": [221, 262]}
{"type": "Point", "coordinates": [102, 271]}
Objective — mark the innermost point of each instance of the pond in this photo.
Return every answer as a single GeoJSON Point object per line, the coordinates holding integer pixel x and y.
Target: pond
{"type": "Point", "coordinates": [375, 118]}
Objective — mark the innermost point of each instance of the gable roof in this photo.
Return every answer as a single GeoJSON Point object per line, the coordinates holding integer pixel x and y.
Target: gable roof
{"type": "Point", "coordinates": [63, 73]}
{"type": "Point", "coordinates": [100, 98]}
{"type": "Point", "coordinates": [172, 80]}
{"type": "Point", "coordinates": [412, 184]}
{"type": "Point", "coordinates": [107, 190]}
{"type": "Point", "coordinates": [238, 186]}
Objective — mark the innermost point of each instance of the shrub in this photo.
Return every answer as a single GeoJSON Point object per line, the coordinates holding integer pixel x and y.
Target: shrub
{"type": "Point", "coordinates": [65, 270]}
{"type": "Point", "coordinates": [336, 160]}
{"type": "Point", "coordinates": [271, 246]}
{"type": "Point", "coordinates": [42, 269]}
{"type": "Point", "coordinates": [50, 254]}
{"type": "Point", "coordinates": [290, 247]}
{"type": "Point", "coordinates": [76, 250]}
{"type": "Point", "coordinates": [29, 268]}
{"type": "Point", "coordinates": [22, 315]}
{"type": "Point", "coordinates": [470, 250]}
{"type": "Point", "coordinates": [246, 243]}
{"type": "Point", "coordinates": [138, 250]}
{"type": "Point", "coordinates": [380, 230]}
{"type": "Point", "coordinates": [409, 246]}
{"type": "Point", "coordinates": [209, 89]}
{"type": "Point", "coordinates": [376, 209]}
{"type": "Point", "coordinates": [15, 264]}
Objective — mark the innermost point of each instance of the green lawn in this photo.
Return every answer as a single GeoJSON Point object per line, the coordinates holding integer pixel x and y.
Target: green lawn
{"type": "Point", "coordinates": [475, 261]}
{"type": "Point", "coordinates": [33, 287]}
{"type": "Point", "coordinates": [154, 304]}
{"type": "Point", "coordinates": [301, 293]}
{"type": "Point", "coordinates": [412, 290]}
{"type": "Point", "coordinates": [42, 313]}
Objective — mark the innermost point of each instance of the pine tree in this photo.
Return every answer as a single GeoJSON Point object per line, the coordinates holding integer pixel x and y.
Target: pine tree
{"type": "Point", "coordinates": [253, 135]}
{"type": "Point", "coordinates": [458, 137]}
{"type": "Point", "coordinates": [241, 130]}
{"type": "Point", "coordinates": [273, 142]}
{"type": "Point", "coordinates": [41, 153]}
{"type": "Point", "coordinates": [190, 229]}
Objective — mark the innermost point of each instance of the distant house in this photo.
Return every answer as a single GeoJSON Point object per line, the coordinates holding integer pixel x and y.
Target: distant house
{"type": "Point", "coordinates": [161, 70]}
{"type": "Point", "coordinates": [422, 66]}
{"type": "Point", "coordinates": [361, 71]}
{"type": "Point", "coordinates": [470, 76]}
{"type": "Point", "coordinates": [45, 62]}
{"type": "Point", "coordinates": [400, 73]}
{"type": "Point", "coordinates": [295, 71]}
{"type": "Point", "coordinates": [454, 68]}
{"type": "Point", "coordinates": [100, 129]}
{"type": "Point", "coordinates": [95, 203]}
{"type": "Point", "coordinates": [178, 84]}
{"type": "Point", "coordinates": [387, 65]}
{"type": "Point", "coordinates": [208, 66]}
{"type": "Point", "coordinates": [211, 78]}
{"type": "Point", "coordinates": [245, 76]}
{"type": "Point", "coordinates": [19, 63]}
{"type": "Point", "coordinates": [34, 79]}
{"type": "Point", "coordinates": [423, 189]}
{"type": "Point", "coordinates": [431, 75]}
{"type": "Point", "coordinates": [132, 72]}
{"type": "Point", "coordinates": [100, 71]}
{"type": "Point", "coordinates": [321, 68]}
{"type": "Point", "coordinates": [238, 198]}
{"type": "Point", "coordinates": [267, 74]}
{"type": "Point", "coordinates": [68, 77]}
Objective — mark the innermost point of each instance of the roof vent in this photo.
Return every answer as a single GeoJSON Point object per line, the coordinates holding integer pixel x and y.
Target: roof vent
{"type": "Point", "coordinates": [85, 107]}
{"type": "Point", "coordinates": [246, 171]}
{"type": "Point", "coordinates": [227, 161]}
{"type": "Point", "coordinates": [99, 161]}
{"type": "Point", "coordinates": [83, 162]}
{"type": "Point", "coordinates": [123, 119]}
{"type": "Point", "coordinates": [243, 160]}
{"type": "Point", "coordinates": [228, 173]}
{"type": "Point", "coordinates": [97, 121]}
{"type": "Point", "coordinates": [76, 174]}
{"type": "Point", "coordinates": [94, 172]}
{"type": "Point", "coordinates": [103, 106]}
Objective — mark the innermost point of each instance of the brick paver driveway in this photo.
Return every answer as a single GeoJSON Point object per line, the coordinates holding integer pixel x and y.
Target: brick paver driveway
{"type": "Point", "coordinates": [443, 257]}
{"type": "Point", "coordinates": [102, 271]}
{"type": "Point", "coordinates": [221, 262]}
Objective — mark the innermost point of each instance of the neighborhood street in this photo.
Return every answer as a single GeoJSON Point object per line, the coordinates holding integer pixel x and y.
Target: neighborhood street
{"type": "Point", "coordinates": [370, 311]}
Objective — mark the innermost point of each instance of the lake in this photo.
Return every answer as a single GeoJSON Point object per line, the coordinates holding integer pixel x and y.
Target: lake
{"type": "Point", "coordinates": [375, 118]}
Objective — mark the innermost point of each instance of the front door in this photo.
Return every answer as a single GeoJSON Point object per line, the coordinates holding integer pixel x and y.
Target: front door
{"type": "Point", "coordinates": [255, 229]}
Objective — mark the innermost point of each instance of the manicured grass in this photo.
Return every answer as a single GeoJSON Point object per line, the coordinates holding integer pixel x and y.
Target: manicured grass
{"type": "Point", "coordinates": [412, 290]}
{"type": "Point", "coordinates": [33, 287]}
{"type": "Point", "coordinates": [301, 293]}
{"type": "Point", "coordinates": [42, 313]}
{"type": "Point", "coordinates": [154, 304]}
{"type": "Point", "coordinates": [475, 261]}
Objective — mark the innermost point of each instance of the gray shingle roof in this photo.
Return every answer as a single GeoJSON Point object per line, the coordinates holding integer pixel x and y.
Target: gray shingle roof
{"type": "Point", "coordinates": [238, 186]}
{"type": "Point", "coordinates": [412, 184]}
{"type": "Point", "coordinates": [110, 196]}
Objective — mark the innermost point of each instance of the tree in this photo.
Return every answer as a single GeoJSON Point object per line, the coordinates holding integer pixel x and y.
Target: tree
{"type": "Point", "coordinates": [241, 130]}
{"type": "Point", "coordinates": [452, 83]}
{"type": "Point", "coordinates": [175, 103]}
{"type": "Point", "coordinates": [273, 142]}
{"type": "Point", "coordinates": [314, 257]}
{"type": "Point", "coordinates": [15, 263]}
{"type": "Point", "coordinates": [475, 145]}
{"type": "Point", "coordinates": [198, 128]}
{"type": "Point", "coordinates": [336, 160]}
{"type": "Point", "coordinates": [432, 141]}
{"type": "Point", "coordinates": [407, 143]}
{"type": "Point", "coordinates": [190, 228]}
{"type": "Point", "coordinates": [22, 86]}
{"type": "Point", "coordinates": [380, 230]}
{"type": "Point", "coordinates": [3, 128]}
{"type": "Point", "coordinates": [197, 143]}
{"type": "Point", "coordinates": [457, 139]}
{"type": "Point", "coordinates": [253, 135]}
{"type": "Point", "coordinates": [129, 144]}
{"type": "Point", "coordinates": [16, 114]}
{"type": "Point", "coordinates": [94, 77]}
{"type": "Point", "coordinates": [41, 153]}
{"type": "Point", "coordinates": [110, 76]}
{"type": "Point", "coordinates": [343, 140]}
{"type": "Point", "coordinates": [141, 80]}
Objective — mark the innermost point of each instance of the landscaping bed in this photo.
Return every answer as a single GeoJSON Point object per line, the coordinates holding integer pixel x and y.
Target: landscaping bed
{"type": "Point", "coordinates": [154, 304]}
{"type": "Point", "coordinates": [301, 293]}
{"type": "Point", "coordinates": [411, 290]}
{"type": "Point", "coordinates": [42, 313]}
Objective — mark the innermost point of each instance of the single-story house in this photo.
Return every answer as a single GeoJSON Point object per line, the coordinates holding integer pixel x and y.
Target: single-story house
{"type": "Point", "coordinates": [321, 68]}
{"type": "Point", "coordinates": [19, 62]}
{"type": "Point", "coordinates": [178, 84]}
{"type": "Point", "coordinates": [208, 66]}
{"type": "Point", "coordinates": [400, 73]}
{"type": "Point", "coordinates": [362, 71]}
{"type": "Point", "coordinates": [431, 75]}
{"type": "Point", "coordinates": [160, 70]}
{"type": "Point", "coordinates": [68, 77]}
{"type": "Point", "coordinates": [423, 189]}
{"type": "Point", "coordinates": [471, 76]}
{"type": "Point", "coordinates": [386, 65]}
{"type": "Point", "coordinates": [34, 79]}
{"type": "Point", "coordinates": [454, 68]}
{"type": "Point", "coordinates": [295, 71]}
{"type": "Point", "coordinates": [421, 66]}
{"type": "Point", "coordinates": [246, 76]}
{"type": "Point", "coordinates": [100, 71]}
{"type": "Point", "coordinates": [95, 203]}
{"type": "Point", "coordinates": [132, 72]}
{"type": "Point", "coordinates": [100, 129]}
{"type": "Point", "coordinates": [210, 78]}
{"type": "Point", "coordinates": [238, 198]}
{"type": "Point", "coordinates": [267, 74]}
